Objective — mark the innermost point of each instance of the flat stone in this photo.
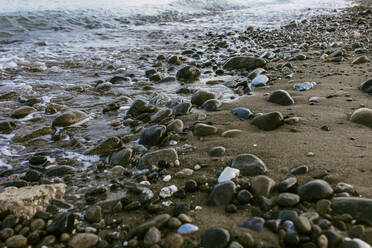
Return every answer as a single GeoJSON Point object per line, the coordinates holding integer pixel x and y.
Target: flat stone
{"type": "Point", "coordinates": [153, 135]}
{"type": "Point", "coordinates": [254, 223]}
{"type": "Point", "coordinates": [168, 155]}
{"type": "Point", "coordinates": [359, 208]}
{"type": "Point", "coordinates": [244, 63]}
{"type": "Point", "coordinates": [187, 228]}
{"type": "Point", "coordinates": [201, 130]}
{"type": "Point", "coordinates": [259, 81]}
{"type": "Point", "coordinates": [249, 165]}
{"type": "Point", "coordinates": [304, 86]}
{"type": "Point", "coordinates": [28, 200]}
{"type": "Point", "coordinates": [24, 137]}
{"type": "Point", "coordinates": [22, 112]}
{"type": "Point", "coordinates": [175, 126]}
{"type": "Point", "coordinates": [269, 121]}
{"type": "Point", "coordinates": [362, 116]}
{"type": "Point", "coordinates": [216, 237]}
{"type": "Point", "coordinates": [262, 185]}
{"type": "Point", "coordinates": [182, 108]}
{"type": "Point", "coordinates": [315, 190]}
{"type": "Point", "coordinates": [366, 86]}
{"type": "Point", "coordinates": [201, 96]}
{"type": "Point", "coordinates": [160, 115]}
{"type": "Point", "coordinates": [281, 97]}
{"type": "Point", "coordinates": [69, 118]}
{"type": "Point", "coordinates": [360, 60]}
{"type": "Point", "coordinates": [303, 169]}
{"type": "Point", "coordinates": [59, 171]}
{"type": "Point", "coordinates": [83, 240]}
{"type": "Point", "coordinates": [222, 194]}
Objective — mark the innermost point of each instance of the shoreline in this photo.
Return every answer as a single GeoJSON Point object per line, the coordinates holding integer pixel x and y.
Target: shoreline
{"type": "Point", "coordinates": [115, 209]}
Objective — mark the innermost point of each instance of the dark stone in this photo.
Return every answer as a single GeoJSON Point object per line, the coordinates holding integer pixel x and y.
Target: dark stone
{"type": "Point", "coordinates": [359, 208]}
{"type": "Point", "coordinates": [269, 121]}
{"type": "Point", "coordinates": [303, 169]}
{"type": "Point", "coordinates": [244, 196]}
{"type": "Point", "coordinates": [244, 63]}
{"type": "Point", "coordinates": [32, 176]}
{"type": "Point", "coordinates": [222, 194]}
{"type": "Point", "coordinates": [188, 73]}
{"type": "Point", "coordinates": [287, 184]}
{"type": "Point", "coordinates": [191, 186]}
{"type": "Point", "coordinates": [216, 237]}
{"type": "Point", "coordinates": [7, 127]}
{"type": "Point", "coordinates": [242, 113]}
{"type": "Point", "coordinates": [254, 223]}
{"type": "Point", "coordinates": [249, 165]}
{"type": "Point", "coordinates": [287, 215]}
{"type": "Point", "coordinates": [280, 97]}
{"type": "Point", "coordinates": [315, 190]}
{"type": "Point", "coordinates": [64, 224]}
{"type": "Point", "coordinates": [365, 87]}
{"type": "Point", "coordinates": [211, 105]}
{"type": "Point", "coordinates": [153, 135]}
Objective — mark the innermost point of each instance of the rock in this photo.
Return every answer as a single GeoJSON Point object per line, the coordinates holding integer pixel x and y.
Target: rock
{"type": "Point", "coordinates": [152, 135]}
{"type": "Point", "coordinates": [167, 192]}
{"type": "Point", "coordinates": [235, 244]}
{"type": "Point", "coordinates": [242, 113]}
{"type": "Point", "coordinates": [187, 228]}
{"type": "Point", "coordinates": [23, 137]}
{"type": "Point", "coordinates": [83, 240]}
{"type": "Point", "coordinates": [175, 240]}
{"type": "Point", "coordinates": [303, 169]}
{"type": "Point", "coordinates": [281, 97]}
{"type": "Point", "coordinates": [358, 208]}
{"type": "Point", "coordinates": [32, 176]}
{"type": "Point", "coordinates": [288, 199]}
{"type": "Point", "coordinates": [59, 171]}
{"type": "Point", "coordinates": [188, 74]}
{"type": "Point", "coordinates": [152, 236]}
{"type": "Point", "coordinates": [249, 165]}
{"type": "Point", "coordinates": [94, 214]}
{"type": "Point", "coordinates": [244, 62]}
{"type": "Point", "coordinates": [315, 190]}
{"type": "Point", "coordinates": [22, 112]}
{"type": "Point", "coordinates": [202, 130]}
{"type": "Point", "coordinates": [262, 185]}
{"type": "Point", "coordinates": [191, 186]}
{"type": "Point", "coordinates": [362, 116]}
{"type": "Point", "coordinates": [259, 81]}
{"type": "Point", "coordinates": [222, 194]}
{"type": "Point", "coordinates": [7, 127]}
{"type": "Point", "coordinates": [182, 108]}
{"type": "Point", "coordinates": [355, 243]}
{"type": "Point", "coordinates": [121, 157]}
{"type": "Point", "coordinates": [216, 237]}
{"type": "Point", "coordinates": [217, 151]}
{"type": "Point", "coordinates": [28, 200]}
{"type": "Point", "coordinates": [211, 105]}
{"type": "Point", "coordinates": [175, 126]}
{"type": "Point", "coordinates": [254, 223]}
{"type": "Point", "coordinates": [139, 107]}
{"type": "Point", "coordinates": [201, 96]}
{"type": "Point", "coordinates": [231, 133]}
{"type": "Point", "coordinates": [17, 241]}
{"type": "Point", "coordinates": [69, 118]}
{"type": "Point", "coordinates": [269, 121]}
{"type": "Point", "coordinates": [63, 224]}
{"type": "Point", "coordinates": [106, 147]}
{"type": "Point", "coordinates": [304, 86]}
{"type": "Point", "coordinates": [302, 224]}
{"type": "Point", "coordinates": [287, 184]}
{"type": "Point", "coordinates": [160, 115]}
{"type": "Point", "coordinates": [285, 215]}
{"type": "Point", "coordinates": [334, 238]}
{"type": "Point", "coordinates": [157, 221]}
{"type": "Point", "coordinates": [360, 60]}
{"type": "Point", "coordinates": [244, 196]}
{"type": "Point", "coordinates": [167, 155]}
{"type": "Point", "coordinates": [366, 86]}
{"type": "Point", "coordinates": [227, 174]}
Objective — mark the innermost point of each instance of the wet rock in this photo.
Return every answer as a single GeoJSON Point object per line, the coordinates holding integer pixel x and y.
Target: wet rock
{"type": "Point", "coordinates": [269, 121]}
{"type": "Point", "coordinates": [228, 174]}
{"type": "Point", "coordinates": [222, 194]}
{"type": "Point", "coordinates": [201, 96]}
{"type": "Point", "coordinates": [182, 108]}
{"type": "Point", "coordinates": [63, 224]}
{"type": "Point", "coordinates": [121, 157]}
{"type": "Point", "coordinates": [32, 176]}
{"type": "Point", "coordinates": [139, 107]}
{"type": "Point", "coordinates": [83, 240]}
{"type": "Point", "coordinates": [175, 126]}
{"type": "Point", "coordinates": [366, 86]}
{"type": "Point", "coordinates": [244, 63]}
{"type": "Point", "coordinates": [260, 81]}
{"type": "Point", "coordinates": [7, 127]}
{"type": "Point", "coordinates": [187, 228]}
{"type": "Point", "coordinates": [202, 130]}
{"type": "Point", "coordinates": [106, 147]}
{"type": "Point", "coordinates": [160, 115]}
{"type": "Point", "coordinates": [188, 74]}
{"type": "Point", "coordinates": [315, 190]}
{"type": "Point", "coordinates": [153, 135]}
{"type": "Point", "coordinates": [281, 97]}
{"type": "Point", "coordinates": [17, 241]}
{"type": "Point", "coordinates": [288, 199]}
{"type": "Point", "coordinates": [152, 236]}
{"type": "Point", "coordinates": [168, 155]}
{"type": "Point", "coordinates": [262, 185]}
{"type": "Point", "coordinates": [358, 208]}
{"type": "Point", "coordinates": [254, 223]}
{"type": "Point", "coordinates": [362, 116]}
{"type": "Point", "coordinates": [22, 112]}
{"type": "Point", "coordinates": [34, 134]}
{"type": "Point", "coordinates": [242, 113]}
{"type": "Point", "coordinates": [304, 86]}
{"type": "Point", "coordinates": [59, 171]}
{"type": "Point", "coordinates": [216, 237]}
{"type": "Point", "coordinates": [249, 165]}
{"type": "Point", "coordinates": [211, 105]}
{"type": "Point", "coordinates": [27, 200]}
{"type": "Point", "coordinates": [93, 214]}
{"type": "Point", "coordinates": [157, 221]}
{"type": "Point", "coordinates": [69, 118]}
{"type": "Point", "coordinates": [217, 151]}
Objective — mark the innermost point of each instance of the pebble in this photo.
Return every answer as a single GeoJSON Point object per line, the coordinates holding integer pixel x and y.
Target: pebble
{"type": "Point", "coordinates": [358, 208]}
{"type": "Point", "coordinates": [191, 186]}
{"type": "Point", "coordinates": [304, 86]}
{"type": "Point", "coordinates": [167, 192]}
{"type": "Point", "coordinates": [175, 240]}
{"type": "Point", "coordinates": [201, 96]}
{"type": "Point", "coordinates": [249, 165]}
{"type": "Point", "coordinates": [83, 240]}
{"type": "Point", "coordinates": [242, 113]}
{"type": "Point", "coordinates": [216, 237]}
{"type": "Point", "coordinates": [288, 199]}
{"type": "Point", "coordinates": [287, 184]}
{"type": "Point", "coordinates": [202, 130]}
{"type": "Point", "coordinates": [187, 229]}
{"type": "Point", "coordinates": [303, 169]}
{"type": "Point", "coordinates": [244, 196]}
{"type": "Point", "coordinates": [259, 81]}
{"type": "Point", "coordinates": [16, 241]}
{"type": "Point", "coordinates": [262, 185]}
{"type": "Point", "coordinates": [152, 135]}
{"type": "Point", "coordinates": [360, 60]}
{"type": "Point", "coordinates": [188, 74]}
{"type": "Point", "coordinates": [211, 105]}
{"type": "Point", "coordinates": [222, 194]}
{"type": "Point", "coordinates": [69, 118]}
{"type": "Point", "coordinates": [228, 174]}
{"type": "Point", "coordinates": [281, 97]}
{"type": "Point", "coordinates": [362, 116]}
{"type": "Point", "coordinates": [167, 156]}
{"type": "Point", "coordinates": [254, 223]}
{"type": "Point", "coordinates": [217, 151]}
{"type": "Point", "coordinates": [269, 121]}
{"type": "Point", "coordinates": [366, 86]}
{"type": "Point", "coordinates": [93, 214]}
{"type": "Point", "coordinates": [244, 62]}
{"type": "Point", "coordinates": [287, 215]}
{"type": "Point", "coordinates": [175, 126]}
{"type": "Point", "coordinates": [121, 157]}
{"type": "Point", "coordinates": [22, 112]}
{"type": "Point", "coordinates": [315, 190]}
{"type": "Point", "coordinates": [185, 172]}
{"type": "Point", "coordinates": [152, 236]}
{"type": "Point", "coordinates": [302, 224]}
{"type": "Point", "coordinates": [157, 221]}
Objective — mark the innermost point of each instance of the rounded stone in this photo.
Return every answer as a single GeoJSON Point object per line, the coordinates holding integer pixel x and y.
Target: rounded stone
{"type": "Point", "coordinates": [202, 130]}
{"type": "Point", "coordinates": [93, 214]}
{"type": "Point", "coordinates": [249, 165]}
{"type": "Point", "coordinates": [83, 240]}
{"type": "Point", "coordinates": [216, 237]}
{"type": "Point", "coordinates": [152, 236]}
{"type": "Point", "coordinates": [22, 112]}
{"type": "Point", "coordinates": [366, 86]}
{"type": "Point", "coordinates": [152, 135]}
{"type": "Point", "coordinates": [362, 116]}
{"type": "Point", "coordinates": [217, 151]}
{"type": "Point", "coordinates": [188, 74]}
{"type": "Point", "coordinates": [281, 97]}
{"type": "Point", "coordinates": [303, 169]}
{"type": "Point", "coordinates": [242, 113]}
{"type": "Point", "coordinates": [287, 184]}
{"type": "Point", "coordinates": [191, 186]}
{"type": "Point", "coordinates": [315, 190]}
{"type": "Point", "coordinates": [269, 121]}
{"type": "Point", "coordinates": [211, 105]}
{"type": "Point", "coordinates": [175, 240]}
{"type": "Point", "coordinates": [288, 199]}
{"type": "Point", "coordinates": [201, 96]}
{"type": "Point", "coordinates": [69, 118]}
{"type": "Point", "coordinates": [302, 224]}
{"type": "Point", "coordinates": [222, 194]}
{"type": "Point", "coordinates": [175, 126]}
{"type": "Point", "coordinates": [16, 241]}
{"type": "Point", "coordinates": [262, 185]}
{"type": "Point", "coordinates": [244, 196]}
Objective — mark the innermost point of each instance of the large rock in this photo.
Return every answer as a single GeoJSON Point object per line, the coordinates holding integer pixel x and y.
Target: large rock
{"type": "Point", "coordinates": [315, 190]}
{"type": "Point", "coordinates": [106, 147]}
{"type": "Point", "coordinates": [201, 130]}
{"type": "Point", "coordinates": [23, 111]}
{"type": "Point", "coordinates": [359, 208]}
{"type": "Point", "coordinates": [160, 115]}
{"type": "Point", "coordinates": [366, 86]}
{"type": "Point", "coordinates": [138, 107]}
{"type": "Point", "coordinates": [249, 165]}
{"type": "Point", "coordinates": [281, 97]}
{"type": "Point", "coordinates": [121, 157]}
{"type": "Point", "coordinates": [201, 96]}
{"type": "Point", "coordinates": [222, 194]}
{"type": "Point", "coordinates": [153, 135]}
{"type": "Point", "coordinates": [83, 240]}
{"type": "Point", "coordinates": [244, 62]}
{"type": "Point", "coordinates": [216, 237]}
{"type": "Point", "coordinates": [362, 116]}
{"type": "Point", "coordinates": [69, 118]}
{"type": "Point", "coordinates": [269, 121]}
{"type": "Point", "coordinates": [188, 74]}
{"type": "Point", "coordinates": [168, 155]}
{"type": "Point", "coordinates": [28, 200]}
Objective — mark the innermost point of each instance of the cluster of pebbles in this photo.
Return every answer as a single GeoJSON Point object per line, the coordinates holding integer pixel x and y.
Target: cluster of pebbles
{"type": "Point", "coordinates": [130, 188]}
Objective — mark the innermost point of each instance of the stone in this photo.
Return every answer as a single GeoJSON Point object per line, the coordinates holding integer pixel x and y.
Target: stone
{"type": "Point", "coordinates": [222, 194]}
{"type": "Point", "coordinates": [262, 185]}
{"type": "Point", "coordinates": [366, 86]}
{"type": "Point", "coordinates": [185, 172]}
{"type": "Point", "coordinates": [285, 215]}
{"type": "Point", "coordinates": [244, 63]}
{"type": "Point", "coordinates": [244, 196]}
{"type": "Point", "coordinates": [7, 127]}
{"type": "Point", "coordinates": [167, 192]}
{"type": "Point", "coordinates": [259, 81]}
{"type": "Point", "coordinates": [187, 229]}
{"type": "Point", "coordinates": [202, 130]}
{"type": "Point", "coordinates": [322, 241]}
{"type": "Point", "coordinates": [121, 157]}
{"type": "Point", "coordinates": [23, 137]}
{"type": "Point", "coordinates": [175, 126]}
{"type": "Point", "coordinates": [217, 151]}
{"type": "Point", "coordinates": [360, 60]}
{"type": "Point", "coordinates": [242, 113]}
{"type": "Point", "coordinates": [288, 199]}
{"type": "Point", "coordinates": [32, 176]}
{"type": "Point", "coordinates": [211, 105]}
{"type": "Point", "coordinates": [37, 224]}
{"type": "Point", "coordinates": [281, 97]}
{"type": "Point", "coordinates": [167, 155]}
{"type": "Point", "coordinates": [17, 241]}
{"type": "Point", "coordinates": [59, 171]}
{"type": "Point", "coordinates": [235, 244]}
{"type": "Point", "coordinates": [228, 174]}
{"type": "Point", "coordinates": [362, 116]}
{"type": "Point", "coordinates": [201, 96]}
{"type": "Point", "coordinates": [302, 224]}
{"type": "Point", "coordinates": [22, 112]}
{"type": "Point", "coordinates": [63, 224]}
{"type": "Point", "coordinates": [93, 214]}
{"type": "Point", "coordinates": [152, 236]}
{"type": "Point", "coordinates": [191, 186]}
{"type": "Point", "coordinates": [160, 115]}
{"type": "Point", "coordinates": [358, 208]}
{"type": "Point", "coordinates": [323, 206]}
{"type": "Point", "coordinates": [182, 108]}
{"type": "Point", "coordinates": [355, 243]}
{"type": "Point", "coordinates": [315, 190]}
{"type": "Point", "coordinates": [116, 171]}
{"type": "Point", "coordinates": [231, 133]}
{"type": "Point", "coordinates": [83, 240]}
{"type": "Point", "coordinates": [139, 107]}
{"type": "Point", "coordinates": [28, 200]}
{"type": "Point", "coordinates": [216, 237]}
{"type": "Point", "coordinates": [106, 147]}
{"type": "Point", "coordinates": [269, 121]}
{"type": "Point", "coordinates": [247, 240]}
{"type": "Point", "coordinates": [287, 184]}
{"type": "Point", "coordinates": [175, 240]}
{"type": "Point", "coordinates": [249, 165]}
{"type": "Point", "coordinates": [157, 221]}
{"type": "Point", "coordinates": [304, 86]}
{"type": "Point", "coordinates": [153, 135]}
{"type": "Point", "coordinates": [69, 118]}
{"type": "Point", "coordinates": [334, 238]}
{"type": "Point", "coordinates": [303, 169]}
{"type": "Point", "coordinates": [254, 223]}
{"type": "Point", "coordinates": [188, 74]}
